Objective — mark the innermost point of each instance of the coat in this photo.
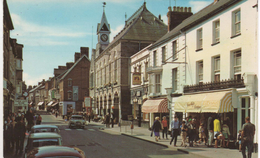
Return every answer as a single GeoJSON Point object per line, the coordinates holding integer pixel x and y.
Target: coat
{"type": "Point", "coordinates": [156, 126]}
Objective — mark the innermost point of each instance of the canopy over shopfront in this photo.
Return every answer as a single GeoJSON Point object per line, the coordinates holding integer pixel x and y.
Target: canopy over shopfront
{"type": "Point", "coordinates": [215, 102]}
{"type": "Point", "coordinates": [40, 103]}
{"type": "Point", "coordinates": [155, 106]}
{"type": "Point", "coordinates": [49, 104]}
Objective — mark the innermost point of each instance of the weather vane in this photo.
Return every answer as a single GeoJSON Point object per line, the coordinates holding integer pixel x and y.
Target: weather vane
{"type": "Point", "coordinates": [104, 4]}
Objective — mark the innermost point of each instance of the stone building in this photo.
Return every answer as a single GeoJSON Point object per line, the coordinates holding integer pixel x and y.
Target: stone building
{"type": "Point", "coordinates": [110, 65]}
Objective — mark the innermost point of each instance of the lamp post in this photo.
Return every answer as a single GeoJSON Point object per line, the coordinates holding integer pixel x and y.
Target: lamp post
{"type": "Point", "coordinates": [169, 92]}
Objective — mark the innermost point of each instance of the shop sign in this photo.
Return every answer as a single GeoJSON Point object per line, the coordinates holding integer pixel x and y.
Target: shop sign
{"type": "Point", "coordinates": [87, 101]}
{"type": "Point", "coordinates": [20, 102]}
{"type": "Point", "coordinates": [136, 78]}
{"type": "Point", "coordinates": [138, 93]}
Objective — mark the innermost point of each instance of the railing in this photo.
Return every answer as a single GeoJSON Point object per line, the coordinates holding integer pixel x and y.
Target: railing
{"type": "Point", "coordinates": [215, 85]}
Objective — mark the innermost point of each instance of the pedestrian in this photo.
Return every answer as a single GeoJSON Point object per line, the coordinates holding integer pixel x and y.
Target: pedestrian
{"type": "Point", "coordinates": [192, 132]}
{"type": "Point", "coordinates": [13, 122]}
{"type": "Point", "coordinates": [247, 137]}
{"type": "Point", "coordinates": [29, 118]}
{"type": "Point", "coordinates": [175, 130]}
{"type": "Point", "coordinates": [202, 135]}
{"type": "Point", "coordinates": [19, 131]}
{"type": "Point", "coordinates": [39, 120]}
{"type": "Point", "coordinates": [217, 133]}
{"type": "Point", "coordinates": [89, 117]}
{"type": "Point", "coordinates": [165, 127]}
{"type": "Point", "coordinates": [210, 127]}
{"type": "Point", "coordinates": [239, 135]}
{"type": "Point", "coordinates": [184, 131]}
{"type": "Point", "coordinates": [8, 130]}
{"type": "Point", "coordinates": [226, 132]}
{"type": "Point", "coordinates": [107, 120]}
{"type": "Point", "coordinates": [156, 128]}
{"type": "Point", "coordinates": [112, 119]}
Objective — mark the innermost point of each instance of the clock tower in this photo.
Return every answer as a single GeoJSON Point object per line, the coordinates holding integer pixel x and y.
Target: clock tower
{"type": "Point", "coordinates": [103, 32]}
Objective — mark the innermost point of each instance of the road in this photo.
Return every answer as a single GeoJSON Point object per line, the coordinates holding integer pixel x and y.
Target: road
{"type": "Point", "coordinates": [98, 143]}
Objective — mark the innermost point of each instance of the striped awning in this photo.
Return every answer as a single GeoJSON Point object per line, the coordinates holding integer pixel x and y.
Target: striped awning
{"type": "Point", "coordinates": [155, 106]}
{"type": "Point", "coordinates": [40, 103]}
{"type": "Point", "coordinates": [215, 102]}
{"type": "Point", "coordinates": [55, 103]}
{"type": "Point", "coordinates": [49, 104]}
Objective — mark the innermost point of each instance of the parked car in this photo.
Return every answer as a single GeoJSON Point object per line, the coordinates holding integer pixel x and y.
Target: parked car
{"type": "Point", "coordinates": [45, 128]}
{"type": "Point", "coordinates": [42, 139]}
{"type": "Point", "coordinates": [77, 121]}
{"type": "Point", "coordinates": [56, 152]}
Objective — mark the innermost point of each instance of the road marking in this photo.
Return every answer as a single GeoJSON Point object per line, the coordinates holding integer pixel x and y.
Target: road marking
{"type": "Point", "coordinates": [91, 129]}
{"type": "Point", "coordinates": [68, 129]}
{"type": "Point", "coordinates": [79, 129]}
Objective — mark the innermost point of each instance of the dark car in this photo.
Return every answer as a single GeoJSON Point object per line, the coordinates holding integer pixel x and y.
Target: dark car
{"type": "Point", "coordinates": [56, 152]}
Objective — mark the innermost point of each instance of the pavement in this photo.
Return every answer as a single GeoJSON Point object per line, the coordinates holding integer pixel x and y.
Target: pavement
{"type": "Point", "coordinates": [145, 134]}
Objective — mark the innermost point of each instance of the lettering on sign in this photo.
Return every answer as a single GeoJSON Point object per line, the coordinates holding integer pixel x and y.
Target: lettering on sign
{"type": "Point", "coordinates": [136, 78]}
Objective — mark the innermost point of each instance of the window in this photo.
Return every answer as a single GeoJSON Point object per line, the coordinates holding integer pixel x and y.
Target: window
{"type": "Point", "coordinates": [105, 75]}
{"type": "Point", "coordinates": [91, 80]}
{"type": "Point", "coordinates": [154, 58]}
{"type": "Point", "coordinates": [18, 89]}
{"type": "Point", "coordinates": [146, 74]}
{"type": "Point", "coordinates": [174, 79]}
{"type": "Point", "coordinates": [69, 82]}
{"type": "Point", "coordinates": [163, 54]}
{"type": "Point", "coordinates": [216, 26]}
{"type": "Point", "coordinates": [199, 39]}
{"type": "Point", "coordinates": [217, 69]}
{"type": "Point", "coordinates": [237, 65]}
{"type": "Point", "coordinates": [69, 95]}
{"type": "Point", "coordinates": [157, 83]}
{"type": "Point", "coordinates": [200, 72]}
{"type": "Point", "coordinates": [115, 69]}
{"type": "Point", "coordinates": [174, 50]}
{"type": "Point", "coordinates": [236, 23]}
{"type": "Point", "coordinates": [18, 63]}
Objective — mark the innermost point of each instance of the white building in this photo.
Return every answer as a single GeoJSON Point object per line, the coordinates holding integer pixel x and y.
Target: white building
{"type": "Point", "coordinates": [216, 65]}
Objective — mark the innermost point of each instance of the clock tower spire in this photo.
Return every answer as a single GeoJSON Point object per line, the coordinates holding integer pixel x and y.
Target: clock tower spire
{"type": "Point", "coordinates": [103, 31]}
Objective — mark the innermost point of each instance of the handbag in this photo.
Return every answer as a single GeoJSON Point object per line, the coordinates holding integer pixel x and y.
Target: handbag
{"type": "Point", "coordinates": [217, 134]}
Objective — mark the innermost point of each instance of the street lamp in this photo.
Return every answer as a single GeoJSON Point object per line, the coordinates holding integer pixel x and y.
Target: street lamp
{"type": "Point", "coordinates": [169, 92]}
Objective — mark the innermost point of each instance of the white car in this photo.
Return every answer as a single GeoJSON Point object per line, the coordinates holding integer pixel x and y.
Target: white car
{"type": "Point", "coordinates": [77, 121]}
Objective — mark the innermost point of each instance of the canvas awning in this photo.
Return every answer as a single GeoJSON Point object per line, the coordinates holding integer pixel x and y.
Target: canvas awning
{"type": "Point", "coordinates": [49, 104]}
{"type": "Point", "coordinates": [215, 102]}
{"type": "Point", "coordinates": [40, 103]}
{"type": "Point", "coordinates": [55, 103]}
{"type": "Point", "coordinates": [155, 106]}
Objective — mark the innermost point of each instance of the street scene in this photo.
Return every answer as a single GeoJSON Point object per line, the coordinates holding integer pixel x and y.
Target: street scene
{"type": "Point", "coordinates": [157, 78]}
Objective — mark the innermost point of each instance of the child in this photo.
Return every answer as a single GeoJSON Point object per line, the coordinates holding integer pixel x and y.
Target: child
{"type": "Point", "coordinates": [202, 134]}
{"type": "Point", "coordinates": [239, 139]}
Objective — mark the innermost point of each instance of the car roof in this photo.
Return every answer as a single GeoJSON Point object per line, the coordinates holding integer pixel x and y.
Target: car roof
{"type": "Point", "coordinates": [76, 116]}
{"type": "Point", "coordinates": [44, 135]}
{"type": "Point", "coordinates": [44, 126]}
{"type": "Point", "coordinates": [49, 151]}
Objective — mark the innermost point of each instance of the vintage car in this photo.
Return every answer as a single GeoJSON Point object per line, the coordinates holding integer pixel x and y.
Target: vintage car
{"type": "Point", "coordinates": [77, 121]}
{"type": "Point", "coordinates": [56, 152]}
{"type": "Point", "coordinates": [42, 139]}
{"type": "Point", "coordinates": [45, 128]}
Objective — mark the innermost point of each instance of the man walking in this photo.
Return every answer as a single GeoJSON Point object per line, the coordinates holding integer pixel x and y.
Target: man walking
{"type": "Point", "coordinates": [248, 132]}
{"type": "Point", "coordinates": [175, 130]}
{"type": "Point", "coordinates": [112, 119]}
{"type": "Point", "coordinates": [210, 130]}
{"type": "Point", "coordinates": [19, 130]}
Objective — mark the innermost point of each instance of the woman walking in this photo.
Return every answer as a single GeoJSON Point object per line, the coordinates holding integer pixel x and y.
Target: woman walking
{"type": "Point", "coordinates": [156, 128]}
{"type": "Point", "coordinates": [165, 127]}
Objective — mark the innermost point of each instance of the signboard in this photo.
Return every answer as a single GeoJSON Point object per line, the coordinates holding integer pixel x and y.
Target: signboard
{"type": "Point", "coordinates": [75, 93]}
{"type": "Point", "coordinates": [87, 101]}
{"type": "Point", "coordinates": [20, 102]}
{"type": "Point", "coordinates": [136, 78]}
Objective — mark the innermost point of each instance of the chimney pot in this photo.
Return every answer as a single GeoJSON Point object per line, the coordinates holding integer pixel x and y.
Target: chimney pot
{"type": "Point", "coordinates": [178, 9]}
{"type": "Point", "coordinates": [185, 9]}
{"type": "Point", "coordinates": [174, 9]}
{"type": "Point", "coordinates": [181, 9]}
{"type": "Point", "coordinates": [169, 9]}
{"type": "Point", "coordinates": [189, 9]}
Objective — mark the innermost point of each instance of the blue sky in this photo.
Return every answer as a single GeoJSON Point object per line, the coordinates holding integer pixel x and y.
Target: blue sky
{"type": "Point", "coordinates": [53, 30]}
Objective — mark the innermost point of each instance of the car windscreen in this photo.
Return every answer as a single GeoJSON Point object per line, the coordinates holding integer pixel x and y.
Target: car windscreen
{"type": "Point", "coordinates": [77, 118]}
{"type": "Point", "coordinates": [62, 157]}
{"type": "Point", "coordinates": [44, 142]}
{"type": "Point", "coordinates": [40, 130]}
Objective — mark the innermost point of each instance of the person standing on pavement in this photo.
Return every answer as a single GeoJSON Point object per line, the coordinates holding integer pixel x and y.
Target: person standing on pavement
{"type": "Point", "coordinates": [57, 114]}
{"type": "Point", "coordinates": [19, 131]}
{"type": "Point", "coordinates": [39, 120]}
{"type": "Point", "coordinates": [8, 130]}
{"type": "Point", "coordinates": [112, 119]}
{"type": "Point", "coordinates": [210, 127]}
{"type": "Point", "coordinates": [13, 122]}
{"type": "Point", "coordinates": [156, 128]}
{"type": "Point", "coordinates": [247, 137]}
{"type": "Point", "coordinates": [29, 118]}
{"type": "Point", "coordinates": [217, 132]}
{"type": "Point", "coordinates": [165, 127]}
{"type": "Point", "coordinates": [184, 131]}
{"type": "Point", "coordinates": [192, 132]}
{"type": "Point", "coordinates": [175, 130]}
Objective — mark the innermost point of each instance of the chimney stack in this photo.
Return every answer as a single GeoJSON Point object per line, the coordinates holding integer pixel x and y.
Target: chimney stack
{"type": "Point", "coordinates": [69, 65]}
{"type": "Point", "coordinates": [84, 51]}
{"type": "Point", "coordinates": [176, 16]}
{"type": "Point", "coordinates": [76, 57]}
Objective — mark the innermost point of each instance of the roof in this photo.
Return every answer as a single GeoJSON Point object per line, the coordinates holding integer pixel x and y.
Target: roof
{"type": "Point", "coordinates": [52, 151]}
{"type": "Point", "coordinates": [44, 126]}
{"type": "Point", "coordinates": [141, 26]}
{"type": "Point", "coordinates": [67, 72]}
{"type": "Point", "coordinates": [44, 135]}
{"type": "Point", "coordinates": [35, 88]}
{"type": "Point", "coordinates": [195, 19]}
{"type": "Point", "coordinates": [102, 23]}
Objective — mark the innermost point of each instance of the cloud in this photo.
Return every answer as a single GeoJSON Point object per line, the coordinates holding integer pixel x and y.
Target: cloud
{"type": "Point", "coordinates": [33, 80]}
{"type": "Point", "coordinates": [114, 32]}
{"type": "Point", "coordinates": [31, 33]}
{"type": "Point", "coordinates": [198, 5]}
{"type": "Point", "coordinates": [165, 19]}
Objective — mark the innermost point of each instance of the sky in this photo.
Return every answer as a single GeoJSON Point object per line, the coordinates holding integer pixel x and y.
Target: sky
{"type": "Point", "coordinates": [51, 31]}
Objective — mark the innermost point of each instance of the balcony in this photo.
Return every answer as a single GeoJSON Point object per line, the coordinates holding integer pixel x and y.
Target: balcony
{"type": "Point", "coordinates": [224, 84]}
{"type": "Point", "coordinates": [154, 69]}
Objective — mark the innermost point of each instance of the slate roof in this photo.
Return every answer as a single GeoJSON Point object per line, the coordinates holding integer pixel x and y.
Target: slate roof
{"type": "Point", "coordinates": [195, 19]}
{"type": "Point", "coordinates": [141, 26]}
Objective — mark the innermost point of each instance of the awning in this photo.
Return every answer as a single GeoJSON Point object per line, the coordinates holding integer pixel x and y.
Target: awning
{"type": "Point", "coordinates": [55, 103]}
{"type": "Point", "coordinates": [40, 103]}
{"type": "Point", "coordinates": [216, 102]}
{"type": "Point", "coordinates": [155, 106]}
{"type": "Point", "coordinates": [49, 104]}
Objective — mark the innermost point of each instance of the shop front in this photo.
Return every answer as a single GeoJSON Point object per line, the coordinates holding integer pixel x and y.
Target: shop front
{"type": "Point", "coordinates": [156, 107]}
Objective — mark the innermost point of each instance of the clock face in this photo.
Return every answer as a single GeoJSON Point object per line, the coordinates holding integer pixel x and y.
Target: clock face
{"type": "Point", "coordinates": [104, 37]}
